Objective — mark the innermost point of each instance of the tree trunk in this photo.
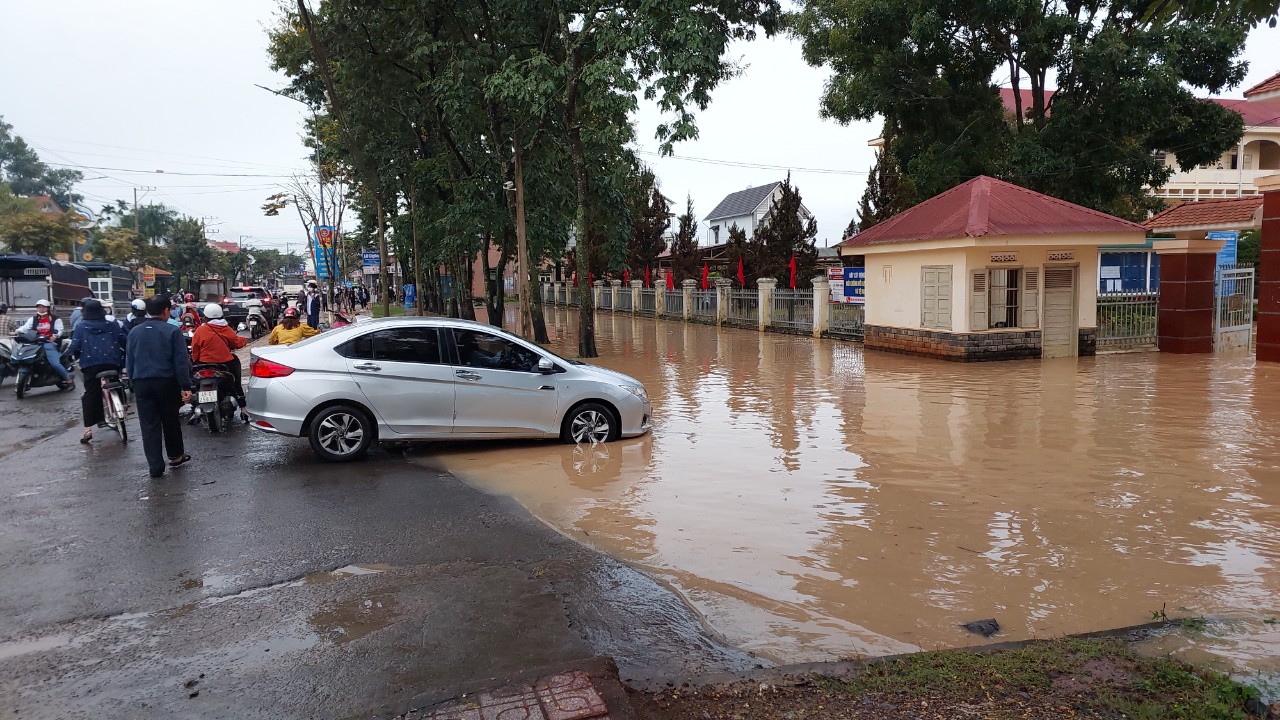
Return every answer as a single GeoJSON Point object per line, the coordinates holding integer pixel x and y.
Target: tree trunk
{"type": "Point", "coordinates": [492, 296]}
{"type": "Point", "coordinates": [586, 314]}
{"type": "Point", "coordinates": [382, 257]}
{"type": "Point", "coordinates": [535, 309]}
{"type": "Point", "coordinates": [522, 247]}
{"type": "Point", "coordinates": [417, 258]}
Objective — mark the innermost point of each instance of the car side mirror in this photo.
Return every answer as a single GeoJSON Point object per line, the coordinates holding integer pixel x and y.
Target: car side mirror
{"type": "Point", "coordinates": [545, 366]}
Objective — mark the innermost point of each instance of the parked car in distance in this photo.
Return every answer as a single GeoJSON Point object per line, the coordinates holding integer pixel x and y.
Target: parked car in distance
{"type": "Point", "coordinates": [430, 378]}
{"type": "Point", "coordinates": [234, 305]}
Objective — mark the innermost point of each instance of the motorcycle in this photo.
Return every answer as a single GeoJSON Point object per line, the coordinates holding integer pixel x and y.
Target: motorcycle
{"type": "Point", "coordinates": [209, 398]}
{"type": "Point", "coordinates": [256, 322]}
{"type": "Point", "coordinates": [30, 366]}
{"type": "Point", "coordinates": [188, 331]}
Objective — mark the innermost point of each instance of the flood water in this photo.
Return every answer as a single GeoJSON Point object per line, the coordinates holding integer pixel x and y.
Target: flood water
{"type": "Point", "coordinates": [815, 501]}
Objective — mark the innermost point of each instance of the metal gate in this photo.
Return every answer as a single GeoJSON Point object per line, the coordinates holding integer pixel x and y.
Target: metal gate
{"type": "Point", "coordinates": [1233, 305]}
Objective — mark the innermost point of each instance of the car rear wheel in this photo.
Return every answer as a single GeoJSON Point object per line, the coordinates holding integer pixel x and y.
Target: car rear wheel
{"type": "Point", "coordinates": [340, 434]}
{"type": "Point", "coordinates": [590, 423]}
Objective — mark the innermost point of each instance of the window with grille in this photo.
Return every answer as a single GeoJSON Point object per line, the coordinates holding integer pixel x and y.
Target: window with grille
{"type": "Point", "coordinates": [1004, 298]}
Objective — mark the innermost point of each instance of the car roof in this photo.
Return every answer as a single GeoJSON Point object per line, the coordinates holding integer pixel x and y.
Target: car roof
{"type": "Point", "coordinates": [438, 320]}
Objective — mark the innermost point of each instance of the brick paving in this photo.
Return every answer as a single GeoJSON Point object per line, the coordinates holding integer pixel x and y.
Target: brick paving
{"type": "Point", "coordinates": [565, 696]}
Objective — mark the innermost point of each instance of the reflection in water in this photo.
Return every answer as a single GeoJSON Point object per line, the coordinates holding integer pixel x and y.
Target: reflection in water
{"type": "Point", "coordinates": [812, 500]}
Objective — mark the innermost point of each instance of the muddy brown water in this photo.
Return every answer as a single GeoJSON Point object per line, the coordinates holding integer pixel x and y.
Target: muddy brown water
{"type": "Point", "coordinates": [812, 500]}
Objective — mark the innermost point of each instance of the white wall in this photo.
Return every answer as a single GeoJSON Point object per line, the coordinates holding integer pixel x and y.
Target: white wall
{"type": "Point", "coordinates": [893, 298]}
{"type": "Point", "coordinates": [1086, 259]}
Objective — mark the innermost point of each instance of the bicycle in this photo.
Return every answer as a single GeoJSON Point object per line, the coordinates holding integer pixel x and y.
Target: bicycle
{"type": "Point", "coordinates": [114, 403]}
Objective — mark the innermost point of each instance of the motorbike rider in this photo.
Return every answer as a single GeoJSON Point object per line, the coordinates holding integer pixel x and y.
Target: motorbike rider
{"type": "Point", "coordinates": [136, 315]}
{"type": "Point", "coordinates": [49, 327]}
{"type": "Point", "coordinates": [290, 331]}
{"type": "Point", "coordinates": [190, 313]}
{"type": "Point", "coordinates": [99, 343]}
{"type": "Point", "coordinates": [214, 343]}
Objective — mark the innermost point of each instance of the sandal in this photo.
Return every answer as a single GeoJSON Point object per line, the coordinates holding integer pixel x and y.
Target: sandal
{"type": "Point", "coordinates": [86, 437]}
{"type": "Point", "coordinates": [179, 461]}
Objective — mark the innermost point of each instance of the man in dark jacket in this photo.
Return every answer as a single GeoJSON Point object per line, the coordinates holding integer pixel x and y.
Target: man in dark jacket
{"type": "Point", "coordinates": [99, 344]}
{"type": "Point", "coordinates": [160, 370]}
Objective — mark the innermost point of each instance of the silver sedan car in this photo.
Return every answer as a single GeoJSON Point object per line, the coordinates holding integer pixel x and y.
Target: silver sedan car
{"type": "Point", "coordinates": [433, 378]}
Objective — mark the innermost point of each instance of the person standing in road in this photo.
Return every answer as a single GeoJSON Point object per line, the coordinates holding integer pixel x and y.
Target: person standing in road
{"type": "Point", "coordinates": [312, 305]}
{"type": "Point", "coordinates": [98, 342]}
{"type": "Point", "coordinates": [160, 371]}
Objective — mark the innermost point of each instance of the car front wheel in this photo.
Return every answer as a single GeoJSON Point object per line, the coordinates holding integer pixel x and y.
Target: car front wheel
{"type": "Point", "coordinates": [340, 434]}
{"type": "Point", "coordinates": [590, 423]}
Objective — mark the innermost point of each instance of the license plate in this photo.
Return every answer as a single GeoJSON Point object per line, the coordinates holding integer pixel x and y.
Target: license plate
{"type": "Point", "coordinates": [207, 396]}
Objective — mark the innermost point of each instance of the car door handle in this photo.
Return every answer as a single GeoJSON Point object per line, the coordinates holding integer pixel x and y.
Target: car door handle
{"type": "Point", "coordinates": [466, 375]}
{"type": "Point", "coordinates": [547, 387]}
{"type": "Point", "coordinates": [368, 366]}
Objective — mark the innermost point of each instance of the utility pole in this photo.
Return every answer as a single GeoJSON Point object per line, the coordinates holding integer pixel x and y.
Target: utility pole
{"type": "Point", "coordinates": [136, 224]}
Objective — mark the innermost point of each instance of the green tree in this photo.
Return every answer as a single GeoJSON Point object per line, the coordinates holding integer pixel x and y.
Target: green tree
{"type": "Point", "coordinates": [650, 218]}
{"type": "Point", "coordinates": [1249, 247]}
{"type": "Point", "coordinates": [887, 192]}
{"type": "Point", "coordinates": [783, 234]}
{"type": "Point", "coordinates": [739, 250]}
{"type": "Point", "coordinates": [1124, 90]}
{"type": "Point", "coordinates": [190, 256]}
{"type": "Point", "coordinates": [684, 246]}
{"type": "Point", "coordinates": [39, 233]}
{"type": "Point", "coordinates": [27, 175]}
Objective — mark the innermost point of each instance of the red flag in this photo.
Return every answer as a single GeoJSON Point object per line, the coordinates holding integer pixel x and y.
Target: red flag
{"type": "Point", "coordinates": [792, 265]}
{"type": "Point", "coordinates": [706, 277]}
{"type": "Point", "coordinates": [646, 277]}
{"type": "Point", "coordinates": [626, 277]}
{"type": "Point", "coordinates": [591, 278]}
{"type": "Point", "coordinates": [742, 277]}
{"type": "Point", "coordinates": [575, 278]}
{"type": "Point", "coordinates": [671, 281]}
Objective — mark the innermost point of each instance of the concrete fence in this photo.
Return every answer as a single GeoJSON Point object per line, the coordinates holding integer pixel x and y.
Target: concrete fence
{"type": "Point", "coordinates": [766, 308]}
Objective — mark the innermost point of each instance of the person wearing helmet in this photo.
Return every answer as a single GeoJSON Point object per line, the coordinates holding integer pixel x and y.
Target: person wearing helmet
{"type": "Point", "coordinates": [99, 343]}
{"type": "Point", "coordinates": [290, 330]}
{"type": "Point", "coordinates": [137, 313]}
{"type": "Point", "coordinates": [49, 327]}
{"type": "Point", "coordinates": [189, 314]}
{"type": "Point", "coordinates": [215, 343]}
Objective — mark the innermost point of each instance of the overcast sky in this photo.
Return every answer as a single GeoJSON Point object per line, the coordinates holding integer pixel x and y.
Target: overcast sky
{"type": "Point", "coordinates": [125, 88]}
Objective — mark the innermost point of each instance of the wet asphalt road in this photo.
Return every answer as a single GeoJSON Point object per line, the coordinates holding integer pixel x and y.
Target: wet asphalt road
{"type": "Point", "coordinates": [257, 582]}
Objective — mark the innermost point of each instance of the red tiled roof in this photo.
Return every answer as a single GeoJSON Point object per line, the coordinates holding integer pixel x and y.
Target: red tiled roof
{"type": "Point", "coordinates": [1207, 213]}
{"type": "Point", "coordinates": [1269, 86]}
{"type": "Point", "coordinates": [226, 246]}
{"type": "Point", "coordinates": [1256, 113]}
{"type": "Point", "coordinates": [986, 206]}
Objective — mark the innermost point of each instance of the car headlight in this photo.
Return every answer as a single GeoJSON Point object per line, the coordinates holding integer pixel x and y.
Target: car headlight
{"type": "Point", "coordinates": [638, 391]}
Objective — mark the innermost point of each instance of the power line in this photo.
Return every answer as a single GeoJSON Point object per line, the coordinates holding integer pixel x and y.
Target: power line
{"type": "Point", "coordinates": [167, 172]}
{"type": "Point", "coordinates": [161, 152]}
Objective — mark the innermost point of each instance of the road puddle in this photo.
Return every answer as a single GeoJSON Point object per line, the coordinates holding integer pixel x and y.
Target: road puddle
{"type": "Point", "coordinates": [355, 618]}
{"type": "Point", "coordinates": [814, 501]}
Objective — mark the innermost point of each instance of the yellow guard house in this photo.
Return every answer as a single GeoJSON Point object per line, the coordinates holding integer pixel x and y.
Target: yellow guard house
{"type": "Point", "coordinates": [987, 270]}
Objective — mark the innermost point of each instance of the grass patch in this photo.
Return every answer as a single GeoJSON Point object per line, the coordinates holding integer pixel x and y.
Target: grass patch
{"type": "Point", "coordinates": [1069, 677]}
{"type": "Point", "coordinates": [396, 310]}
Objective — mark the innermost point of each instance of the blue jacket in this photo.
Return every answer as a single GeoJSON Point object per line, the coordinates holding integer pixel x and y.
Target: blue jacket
{"type": "Point", "coordinates": [157, 349]}
{"type": "Point", "coordinates": [98, 342]}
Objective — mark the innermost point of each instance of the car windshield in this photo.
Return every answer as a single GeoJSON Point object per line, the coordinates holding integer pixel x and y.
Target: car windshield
{"type": "Point", "coordinates": [242, 294]}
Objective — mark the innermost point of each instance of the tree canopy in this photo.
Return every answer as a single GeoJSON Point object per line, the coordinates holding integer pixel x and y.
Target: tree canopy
{"type": "Point", "coordinates": [1125, 80]}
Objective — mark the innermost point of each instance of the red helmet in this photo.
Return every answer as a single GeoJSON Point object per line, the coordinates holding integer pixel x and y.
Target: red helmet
{"type": "Point", "coordinates": [189, 297]}
{"type": "Point", "coordinates": [291, 312]}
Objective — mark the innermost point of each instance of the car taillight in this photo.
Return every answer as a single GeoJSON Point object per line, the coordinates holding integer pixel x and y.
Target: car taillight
{"type": "Point", "coordinates": [261, 368]}
{"type": "Point", "coordinates": [208, 374]}
{"type": "Point", "coordinates": [226, 299]}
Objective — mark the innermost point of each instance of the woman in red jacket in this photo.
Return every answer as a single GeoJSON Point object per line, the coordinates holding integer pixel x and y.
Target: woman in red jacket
{"type": "Point", "coordinates": [215, 343]}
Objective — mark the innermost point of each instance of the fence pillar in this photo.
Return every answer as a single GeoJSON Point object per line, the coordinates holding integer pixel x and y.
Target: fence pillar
{"type": "Point", "coordinates": [1268, 278]}
{"type": "Point", "coordinates": [659, 299]}
{"type": "Point", "coordinates": [688, 286]}
{"type": "Point", "coordinates": [723, 286]}
{"type": "Point", "coordinates": [635, 296]}
{"type": "Point", "coordinates": [597, 291]}
{"type": "Point", "coordinates": [555, 292]}
{"type": "Point", "coordinates": [1187, 278]}
{"type": "Point", "coordinates": [613, 288]}
{"type": "Point", "coordinates": [765, 287]}
{"type": "Point", "coordinates": [821, 305]}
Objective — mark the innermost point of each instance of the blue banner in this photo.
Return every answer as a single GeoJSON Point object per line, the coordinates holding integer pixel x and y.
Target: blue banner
{"type": "Point", "coordinates": [855, 285]}
{"type": "Point", "coordinates": [1227, 256]}
{"type": "Point", "coordinates": [324, 248]}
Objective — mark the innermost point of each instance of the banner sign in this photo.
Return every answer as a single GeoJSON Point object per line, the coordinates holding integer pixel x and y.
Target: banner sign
{"type": "Point", "coordinates": [1227, 256]}
{"type": "Point", "coordinates": [835, 276]}
{"type": "Point", "coordinates": [855, 285]}
{"type": "Point", "coordinates": [370, 262]}
{"type": "Point", "coordinates": [324, 250]}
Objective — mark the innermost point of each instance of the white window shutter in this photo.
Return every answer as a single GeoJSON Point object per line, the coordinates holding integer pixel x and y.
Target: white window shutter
{"type": "Point", "coordinates": [978, 301]}
{"type": "Point", "coordinates": [944, 297]}
{"type": "Point", "coordinates": [1030, 298]}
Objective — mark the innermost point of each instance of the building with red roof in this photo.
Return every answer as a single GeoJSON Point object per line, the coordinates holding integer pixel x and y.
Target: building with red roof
{"type": "Point", "coordinates": [987, 270]}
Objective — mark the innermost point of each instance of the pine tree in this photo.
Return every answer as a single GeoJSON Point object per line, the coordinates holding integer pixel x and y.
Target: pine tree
{"type": "Point", "coordinates": [784, 234]}
{"type": "Point", "coordinates": [684, 248]}
{"type": "Point", "coordinates": [650, 218]}
{"type": "Point", "coordinates": [739, 248]}
{"type": "Point", "coordinates": [888, 193]}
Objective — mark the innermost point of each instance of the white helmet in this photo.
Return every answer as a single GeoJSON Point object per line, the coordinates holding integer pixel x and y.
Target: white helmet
{"type": "Point", "coordinates": [213, 311]}
{"type": "Point", "coordinates": [42, 302]}
{"type": "Point", "coordinates": [140, 305]}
